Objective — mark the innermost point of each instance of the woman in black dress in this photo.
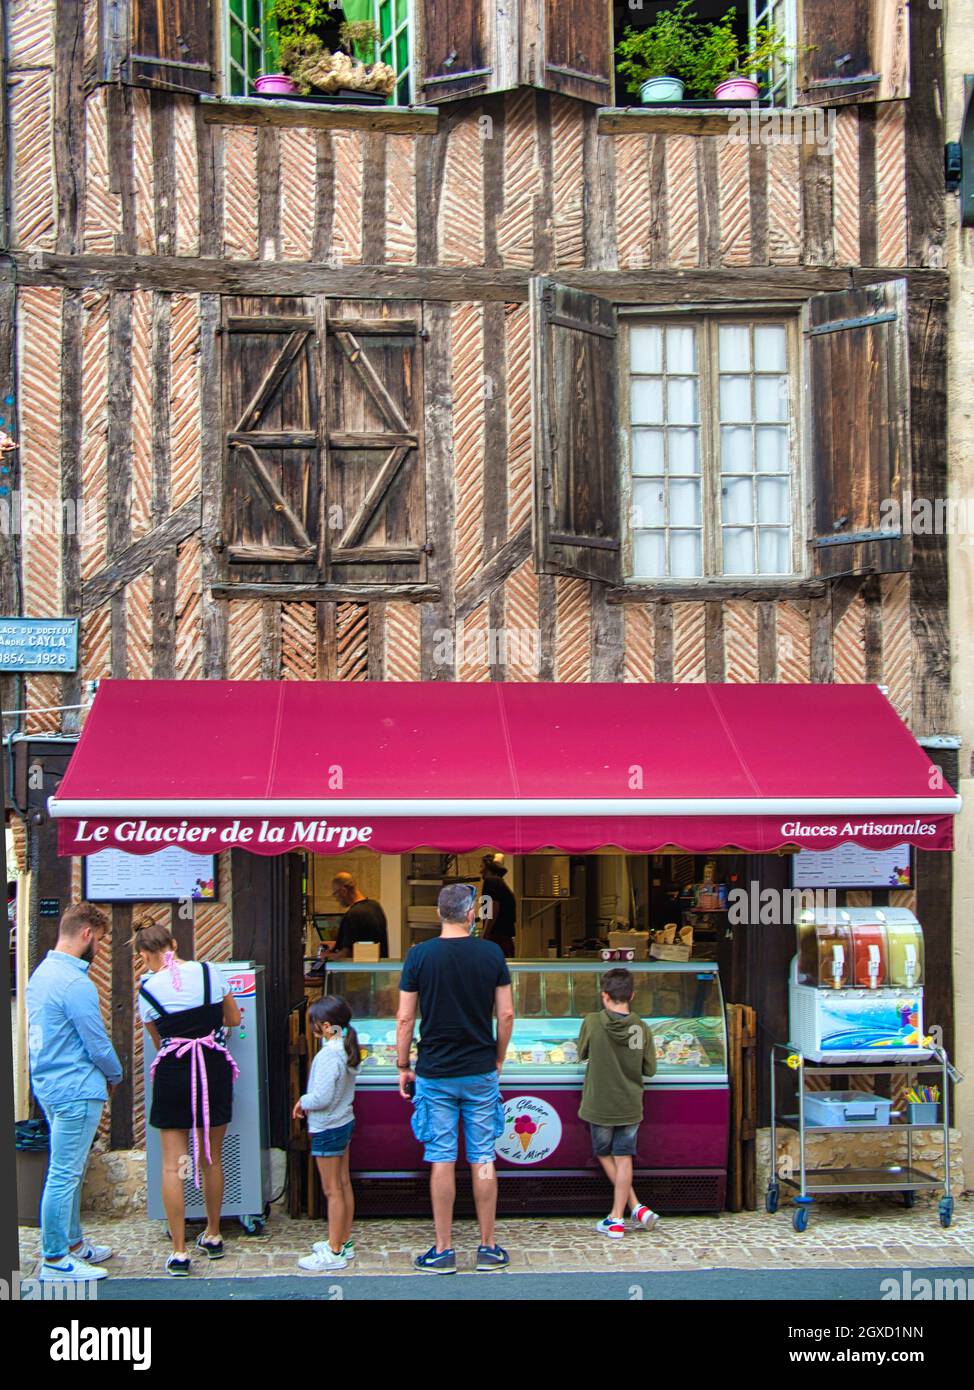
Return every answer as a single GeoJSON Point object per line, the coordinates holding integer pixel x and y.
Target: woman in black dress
{"type": "Point", "coordinates": [186, 1006]}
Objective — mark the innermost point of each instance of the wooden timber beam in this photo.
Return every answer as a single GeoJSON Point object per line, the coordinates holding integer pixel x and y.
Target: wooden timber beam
{"type": "Point", "coordinates": [141, 555]}
{"type": "Point", "coordinates": [248, 111]}
{"type": "Point", "coordinates": [341, 593]}
{"type": "Point", "coordinates": [496, 570]}
{"type": "Point", "coordinates": [727, 284]}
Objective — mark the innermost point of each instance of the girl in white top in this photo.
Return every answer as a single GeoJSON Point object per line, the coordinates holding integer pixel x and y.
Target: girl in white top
{"type": "Point", "coordinates": [327, 1106]}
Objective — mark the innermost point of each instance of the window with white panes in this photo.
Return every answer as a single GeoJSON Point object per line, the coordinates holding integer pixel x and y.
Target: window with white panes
{"type": "Point", "coordinates": [714, 485]}
{"type": "Point", "coordinates": [782, 15]}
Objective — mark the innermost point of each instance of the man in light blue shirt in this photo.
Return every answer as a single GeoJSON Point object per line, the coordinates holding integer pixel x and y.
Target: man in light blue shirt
{"type": "Point", "coordinates": [73, 1069]}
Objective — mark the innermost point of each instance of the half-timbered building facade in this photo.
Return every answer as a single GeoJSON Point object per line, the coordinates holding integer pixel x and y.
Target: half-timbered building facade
{"type": "Point", "coordinates": [345, 392]}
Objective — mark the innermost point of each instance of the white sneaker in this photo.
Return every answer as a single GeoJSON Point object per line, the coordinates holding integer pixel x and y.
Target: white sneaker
{"type": "Point", "coordinates": [93, 1254]}
{"type": "Point", "coordinates": [348, 1249]}
{"type": "Point", "coordinates": [612, 1228]}
{"type": "Point", "coordinates": [70, 1270]}
{"type": "Point", "coordinates": [322, 1261]}
{"type": "Point", "coordinates": [644, 1217]}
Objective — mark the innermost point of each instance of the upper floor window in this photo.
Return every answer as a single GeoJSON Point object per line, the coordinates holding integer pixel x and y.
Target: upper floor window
{"type": "Point", "coordinates": [713, 447]}
{"type": "Point", "coordinates": [250, 40]}
{"type": "Point", "coordinates": [782, 16]}
{"type": "Point", "coordinates": [250, 44]}
{"type": "Point", "coordinates": [393, 20]}
{"type": "Point", "coordinates": [666, 443]}
{"type": "Point", "coordinates": [777, 85]}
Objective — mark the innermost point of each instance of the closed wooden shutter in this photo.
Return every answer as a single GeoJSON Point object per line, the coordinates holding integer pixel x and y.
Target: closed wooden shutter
{"type": "Point", "coordinates": [376, 498]}
{"type": "Point", "coordinates": [272, 526]}
{"type": "Point", "coordinates": [858, 378]}
{"type": "Point", "coordinates": [853, 50]}
{"type": "Point", "coordinates": [578, 49]}
{"type": "Point", "coordinates": [171, 45]}
{"type": "Point", "coordinates": [455, 41]}
{"type": "Point", "coordinates": [577, 493]}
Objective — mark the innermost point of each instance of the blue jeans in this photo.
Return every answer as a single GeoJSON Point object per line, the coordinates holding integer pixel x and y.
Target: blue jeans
{"type": "Point", "coordinates": [73, 1128]}
{"type": "Point", "coordinates": [442, 1101]}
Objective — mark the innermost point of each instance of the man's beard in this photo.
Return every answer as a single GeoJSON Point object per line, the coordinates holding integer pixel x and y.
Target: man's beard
{"type": "Point", "coordinates": [88, 954]}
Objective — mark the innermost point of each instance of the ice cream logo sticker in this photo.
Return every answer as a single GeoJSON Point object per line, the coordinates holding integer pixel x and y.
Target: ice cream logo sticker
{"type": "Point", "coordinates": [532, 1130]}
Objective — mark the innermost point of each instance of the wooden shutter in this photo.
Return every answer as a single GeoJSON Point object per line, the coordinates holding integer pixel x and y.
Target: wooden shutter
{"type": "Point", "coordinates": [171, 45]}
{"type": "Point", "coordinates": [455, 41]}
{"type": "Point", "coordinates": [853, 50]}
{"type": "Point", "coordinates": [272, 527]}
{"type": "Point", "coordinates": [376, 503]}
{"type": "Point", "coordinates": [577, 494]}
{"type": "Point", "coordinates": [578, 49]}
{"type": "Point", "coordinates": [858, 383]}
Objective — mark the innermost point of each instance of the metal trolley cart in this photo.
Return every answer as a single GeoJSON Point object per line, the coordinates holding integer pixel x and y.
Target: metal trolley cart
{"type": "Point", "coordinates": [811, 1182]}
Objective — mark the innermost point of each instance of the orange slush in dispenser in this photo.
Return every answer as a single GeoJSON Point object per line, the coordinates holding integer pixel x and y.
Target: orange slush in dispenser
{"type": "Point", "coordinates": [870, 955]}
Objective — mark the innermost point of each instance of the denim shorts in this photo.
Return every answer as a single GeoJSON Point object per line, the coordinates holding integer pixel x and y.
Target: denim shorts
{"type": "Point", "coordinates": [332, 1143]}
{"type": "Point", "coordinates": [441, 1102]}
{"type": "Point", "coordinates": [614, 1141]}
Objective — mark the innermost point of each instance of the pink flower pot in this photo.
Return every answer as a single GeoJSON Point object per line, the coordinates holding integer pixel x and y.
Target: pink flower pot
{"type": "Point", "coordinates": [275, 84]}
{"type": "Point", "coordinates": [736, 89]}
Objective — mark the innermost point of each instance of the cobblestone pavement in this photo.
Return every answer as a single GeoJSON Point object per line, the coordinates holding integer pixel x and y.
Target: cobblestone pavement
{"type": "Point", "coordinates": [873, 1235]}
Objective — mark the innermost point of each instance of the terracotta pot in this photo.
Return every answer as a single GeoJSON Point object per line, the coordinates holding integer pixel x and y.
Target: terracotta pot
{"type": "Point", "coordinates": [276, 84]}
{"type": "Point", "coordinates": [736, 89]}
{"type": "Point", "coordinates": [659, 89]}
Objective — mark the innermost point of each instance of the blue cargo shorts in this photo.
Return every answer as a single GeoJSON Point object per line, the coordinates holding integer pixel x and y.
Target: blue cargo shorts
{"type": "Point", "coordinates": [441, 1102]}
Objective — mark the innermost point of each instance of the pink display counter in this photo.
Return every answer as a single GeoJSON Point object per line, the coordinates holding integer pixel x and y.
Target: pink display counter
{"type": "Point", "coordinates": [544, 1154]}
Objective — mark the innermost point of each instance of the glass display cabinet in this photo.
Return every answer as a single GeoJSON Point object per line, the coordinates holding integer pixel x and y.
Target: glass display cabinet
{"type": "Point", "coordinates": [682, 1146]}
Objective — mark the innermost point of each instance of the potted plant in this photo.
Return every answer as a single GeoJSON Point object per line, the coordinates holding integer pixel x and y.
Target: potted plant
{"type": "Point", "coordinates": [720, 65]}
{"type": "Point", "coordinates": [654, 61]}
{"type": "Point", "coordinates": [290, 20]}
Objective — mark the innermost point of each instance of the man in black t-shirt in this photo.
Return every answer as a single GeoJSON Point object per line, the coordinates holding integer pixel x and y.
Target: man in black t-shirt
{"type": "Point", "coordinates": [457, 983]}
{"type": "Point", "coordinates": [364, 919]}
{"type": "Point", "coordinates": [501, 905]}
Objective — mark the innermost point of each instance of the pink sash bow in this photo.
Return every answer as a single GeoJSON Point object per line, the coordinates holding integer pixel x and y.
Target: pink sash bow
{"type": "Point", "coordinates": [179, 1047]}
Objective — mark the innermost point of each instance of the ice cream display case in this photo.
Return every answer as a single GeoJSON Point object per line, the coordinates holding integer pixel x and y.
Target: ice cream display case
{"type": "Point", "coordinates": [544, 1153]}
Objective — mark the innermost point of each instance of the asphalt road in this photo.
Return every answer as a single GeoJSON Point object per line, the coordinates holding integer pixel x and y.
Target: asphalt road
{"type": "Point", "coordinates": [777, 1285]}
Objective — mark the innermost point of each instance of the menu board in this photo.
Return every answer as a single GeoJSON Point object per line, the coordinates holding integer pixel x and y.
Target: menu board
{"type": "Point", "coordinates": [851, 866]}
{"type": "Point", "coordinates": [171, 875]}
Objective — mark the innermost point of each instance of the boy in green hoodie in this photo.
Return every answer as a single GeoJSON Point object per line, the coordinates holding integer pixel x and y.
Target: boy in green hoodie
{"type": "Point", "coordinates": [620, 1051]}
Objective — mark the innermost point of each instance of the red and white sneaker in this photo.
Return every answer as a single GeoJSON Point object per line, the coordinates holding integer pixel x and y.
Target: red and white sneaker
{"type": "Point", "coordinates": [611, 1227]}
{"type": "Point", "coordinates": [644, 1217]}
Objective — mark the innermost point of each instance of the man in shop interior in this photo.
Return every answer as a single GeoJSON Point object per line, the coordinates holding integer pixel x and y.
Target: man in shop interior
{"type": "Point", "coordinates": [73, 1071]}
{"type": "Point", "coordinates": [364, 919]}
{"type": "Point", "coordinates": [457, 983]}
{"type": "Point", "coordinates": [501, 915]}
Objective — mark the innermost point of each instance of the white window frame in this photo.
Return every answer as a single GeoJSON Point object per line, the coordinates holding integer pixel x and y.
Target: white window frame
{"type": "Point", "coordinates": [708, 318]}
{"type": "Point", "coordinates": [784, 15]}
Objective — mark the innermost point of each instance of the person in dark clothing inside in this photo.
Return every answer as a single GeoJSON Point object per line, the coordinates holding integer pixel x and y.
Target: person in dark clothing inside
{"type": "Point", "coordinates": [500, 921]}
{"type": "Point", "coordinates": [364, 919]}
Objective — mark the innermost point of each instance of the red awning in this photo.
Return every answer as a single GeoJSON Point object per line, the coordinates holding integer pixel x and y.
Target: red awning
{"type": "Point", "coordinates": [276, 766]}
